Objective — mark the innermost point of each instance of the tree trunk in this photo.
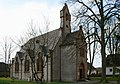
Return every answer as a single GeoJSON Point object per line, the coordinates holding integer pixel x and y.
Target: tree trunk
{"type": "Point", "coordinates": [90, 68]}
{"type": "Point", "coordinates": [103, 54]}
{"type": "Point", "coordinates": [103, 62]}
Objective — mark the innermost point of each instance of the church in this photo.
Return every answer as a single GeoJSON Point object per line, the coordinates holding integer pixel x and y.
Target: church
{"type": "Point", "coordinates": [58, 55]}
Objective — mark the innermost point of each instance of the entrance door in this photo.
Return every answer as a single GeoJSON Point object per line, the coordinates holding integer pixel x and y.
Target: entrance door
{"type": "Point", "coordinates": [81, 71]}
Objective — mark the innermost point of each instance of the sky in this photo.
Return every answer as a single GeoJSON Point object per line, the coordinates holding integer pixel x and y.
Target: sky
{"type": "Point", "coordinates": [16, 15]}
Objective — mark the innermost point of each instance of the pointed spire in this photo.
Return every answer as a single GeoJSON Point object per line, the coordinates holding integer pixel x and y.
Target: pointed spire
{"type": "Point", "coordinates": [65, 6]}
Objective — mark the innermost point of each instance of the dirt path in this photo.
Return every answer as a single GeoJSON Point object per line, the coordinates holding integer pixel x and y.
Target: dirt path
{"type": "Point", "coordinates": [93, 82]}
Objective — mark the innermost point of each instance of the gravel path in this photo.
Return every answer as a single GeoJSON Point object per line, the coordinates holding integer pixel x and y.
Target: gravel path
{"type": "Point", "coordinates": [94, 82]}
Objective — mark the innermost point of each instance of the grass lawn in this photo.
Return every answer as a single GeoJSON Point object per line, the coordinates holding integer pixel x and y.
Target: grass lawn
{"type": "Point", "coordinates": [10, 81]}
{"type": "Point", "coordinates": [108, 78]}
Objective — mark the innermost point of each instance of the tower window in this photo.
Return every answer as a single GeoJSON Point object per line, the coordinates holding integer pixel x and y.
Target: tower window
{"type": "Point", "coordinates": [67, 26]}
{"type": "Point", "coordinates": [67, 17]}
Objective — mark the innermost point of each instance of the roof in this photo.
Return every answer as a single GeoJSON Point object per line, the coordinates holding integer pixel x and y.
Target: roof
{"type": "Point", "coordinates": [2, 63]}
{"type": "Point", "coordinates": [20, 54]}
{"type": "Point", "coordinates": [113, 59]}
{"type": "Point", "coordinates": [48, 39]}
{"type": "Point", "coordinates": [71, 37]}
{"type": "Point", "coordinates": [3, 66]}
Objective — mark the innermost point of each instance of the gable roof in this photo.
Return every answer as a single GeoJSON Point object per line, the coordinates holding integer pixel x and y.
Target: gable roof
{"type": "Point", "coordinates": [113, 59]}
{"type": "Point", "coordinates": [20, 55]}
{"type": "Point", "coordinates": [48, 39]}
{"type": "Point", "coordinates": [71, 37]}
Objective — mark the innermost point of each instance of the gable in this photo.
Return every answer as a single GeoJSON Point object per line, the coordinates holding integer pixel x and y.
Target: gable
{"type": "Point", "coordinates": [71, 38]}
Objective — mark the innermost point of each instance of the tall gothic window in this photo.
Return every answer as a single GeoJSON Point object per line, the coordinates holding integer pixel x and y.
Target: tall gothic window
{"type": "Point", "coordinates": [16, 65]}
{"type": "Point", "coordinates": [26, 67]}
{"type": "Point", "coordinates": [39, 62]}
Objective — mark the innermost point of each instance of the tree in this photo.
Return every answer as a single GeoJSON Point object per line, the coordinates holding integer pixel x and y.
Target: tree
{"type": "Point", "coordinates": [92, 49]}
{"type": "Point", "coordinates": [35, 43]}
{"type": "Point", "coordinates": [99, 12]}
{"type": "Point", "coordinates": [37, 46]}
{"type": "Point", "coordinates": [32, 49]}
{"type": "Point", "coordinates": [113, 42]}
{"type": "Point", "coordinates": [28, 43]}
{"type": "Point", "coordinates": [7, 50]}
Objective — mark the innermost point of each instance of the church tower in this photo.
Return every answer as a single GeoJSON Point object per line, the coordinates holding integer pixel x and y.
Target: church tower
{"type": "Point", "coordinates": [65, 22]}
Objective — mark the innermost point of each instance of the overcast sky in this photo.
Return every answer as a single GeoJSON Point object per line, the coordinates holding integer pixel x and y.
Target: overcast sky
{"type": "Point", "coordinates": [15, 15]}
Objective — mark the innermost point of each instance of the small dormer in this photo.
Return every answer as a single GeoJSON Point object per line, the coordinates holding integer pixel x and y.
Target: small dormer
{"type": "Point", "coordinates": [65, 20]}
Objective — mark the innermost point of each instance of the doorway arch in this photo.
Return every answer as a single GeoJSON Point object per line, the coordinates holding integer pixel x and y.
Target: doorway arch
{"type": "Point", "coordinates": [81, 72]}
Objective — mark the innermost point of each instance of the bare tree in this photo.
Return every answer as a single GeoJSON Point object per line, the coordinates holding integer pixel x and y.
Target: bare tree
{"type": "Point", "coordinates": [38, 42]}
{"type": "Point", "coordinates": [32, 49]}
{"type": "Point", "coordinates": [7, 51]}
{"type": "Point", "coordinates": [93, 50]}
{"type": "Point", "coordinates": [98, 12]}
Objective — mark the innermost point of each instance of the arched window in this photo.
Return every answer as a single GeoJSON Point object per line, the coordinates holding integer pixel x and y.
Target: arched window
{"type": "Point", "coordinates": [16, 65]}
{"type": "Point", "coordinates": [39, 62]}
{"type": "Point", "coordinates": [67, 17]}
{"type": "Point", "coordinates": [26, 67]}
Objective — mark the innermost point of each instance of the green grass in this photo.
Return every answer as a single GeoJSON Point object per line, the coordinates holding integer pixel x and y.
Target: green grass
{"type": "Point", "coordinates": [108, 78]}
{"type": "Point", "coordinates": [10, 81]}
{"type": "Point", "coordinates": [15, 81]}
